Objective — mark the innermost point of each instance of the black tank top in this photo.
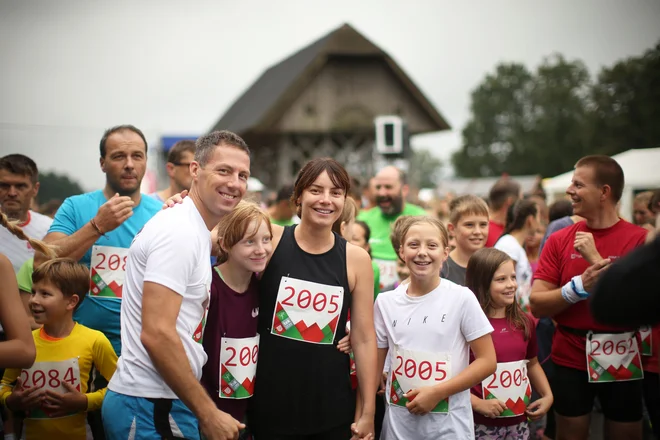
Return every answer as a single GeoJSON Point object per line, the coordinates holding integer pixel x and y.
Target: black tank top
{"type": "Point", "coordinates": [301, 387]}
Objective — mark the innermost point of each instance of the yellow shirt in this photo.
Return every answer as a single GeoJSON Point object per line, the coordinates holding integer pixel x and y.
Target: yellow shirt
{"type": "Point", "coordinates": [67, 359]}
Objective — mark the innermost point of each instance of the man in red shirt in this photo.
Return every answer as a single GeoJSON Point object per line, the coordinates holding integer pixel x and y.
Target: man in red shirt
{"type": "Point", "coordinates": [592, 360]}
{"type": "Point", "coordinates": [504, 193]}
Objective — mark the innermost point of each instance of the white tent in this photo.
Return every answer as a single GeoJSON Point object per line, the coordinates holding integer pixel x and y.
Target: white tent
{"type": "Point", "coordinates": [641, 169]}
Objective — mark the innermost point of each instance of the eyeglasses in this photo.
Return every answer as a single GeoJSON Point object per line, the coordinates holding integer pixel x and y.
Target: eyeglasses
{"type": "Point", "coordinates": [181, 164]}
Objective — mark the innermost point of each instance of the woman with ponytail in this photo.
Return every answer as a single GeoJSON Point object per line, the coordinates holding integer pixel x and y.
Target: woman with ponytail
{"type": "Point", "coordinates": [18, 350]}
{"type": "Point", "coordinates": [522, 222]}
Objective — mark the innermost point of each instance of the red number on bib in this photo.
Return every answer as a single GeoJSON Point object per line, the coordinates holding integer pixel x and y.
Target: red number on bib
{"type": "Point", "coordinates": [319, 306]}
{"type": "Point", "coordinates": [410, 368]}
{"type": "Point", "coordinates": [305, 297]}
{"type": "Point", "coordinates": [439, 368]}
{"type": "Point", "coordinates": [39, 378]}
{"type": "Point", "coordinates": [517, 377]}
{"type": "Point", "coordinates": [505, 378]}
{"type": "Point", "coordinates": [492, 382]}
{"type": "Point", "coordinates": [333, 302]}
{"type": "Point", "coordinates": [398, 369]}
{"type": "Point", "coordinates": [123, 266]}
{"type": "Point", "coordinates": [114, 262]}
{"type": "Point", "coordinates": [287, 300]}
{"type": "Point", "coordinates": [425, 370]}
{"type": "Point", "coordinates": [68, 376]}
{"type": "Point", "coordinates": [608, 347]}
{"type": "Point", "coordinates": [255, 354]}
{"type": "Point", "coordinates": [233, 355]}
{"type": "Point", "coordinates": [621, 347]}
{"type": "Point", "coordinates": [631, 347]}
{"type": "Point", "coordinates": [595, 351]}
{"type": "Point", "coordinates": [53, 378]}
{"type": "Point", "coordinates": [245, 356]}
{"type": "Point", "coordinates": [100, 265]}
{"type": "Point", "coordinates": [25, 377]}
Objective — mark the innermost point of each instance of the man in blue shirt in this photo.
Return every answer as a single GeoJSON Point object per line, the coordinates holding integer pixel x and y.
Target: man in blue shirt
{"type": "Point", "coordinates": [97, 228]}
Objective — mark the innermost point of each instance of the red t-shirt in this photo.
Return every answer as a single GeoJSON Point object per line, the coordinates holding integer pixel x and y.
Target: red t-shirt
{"type": "Point", "coordinates": [560, 262]}
{"type": "Point", "coordinates": [510, 346]}
{"type": "Point", "coordinates": [494, 232]}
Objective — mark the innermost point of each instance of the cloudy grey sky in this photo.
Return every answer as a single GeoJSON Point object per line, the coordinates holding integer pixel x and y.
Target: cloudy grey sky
{"type": "Point", "coordinates": [70, 69]}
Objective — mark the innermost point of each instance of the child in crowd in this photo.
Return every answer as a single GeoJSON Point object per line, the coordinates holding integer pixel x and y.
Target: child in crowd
{"type": "Point", "coordinates": [395, 237]}
{"type": "Point", "coordinates": [230, 335]}
{"type": "Point", "coordinates": [501, 402]}
{"type": "Point", "coordinates": [361, 235]}
{"type": "Point", "coordinates": [428, 326]}
{"type": "Point", "coordinates": [53, 392]}
{"type": "Point", "coordinates": [468, 217]}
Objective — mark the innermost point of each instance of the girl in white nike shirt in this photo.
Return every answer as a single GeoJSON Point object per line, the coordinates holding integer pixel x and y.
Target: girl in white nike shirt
{"type": "Point", "coordinates": [428, 327]}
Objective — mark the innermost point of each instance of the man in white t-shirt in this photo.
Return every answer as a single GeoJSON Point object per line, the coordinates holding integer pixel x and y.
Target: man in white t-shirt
{"type": "Point", "coordinates": [155, 393]}
{"type": "Point", "coordinates": [432, 333]}
{"type": "Point", "coordinates": [19, 185]}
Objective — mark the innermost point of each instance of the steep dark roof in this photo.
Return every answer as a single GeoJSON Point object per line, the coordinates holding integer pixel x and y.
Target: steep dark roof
{"type": "Point", "coordinates": [276, 88]}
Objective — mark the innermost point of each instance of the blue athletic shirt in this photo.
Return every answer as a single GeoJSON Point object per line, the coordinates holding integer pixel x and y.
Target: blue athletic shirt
{"type": "Point", "coordinates": [101, 311]}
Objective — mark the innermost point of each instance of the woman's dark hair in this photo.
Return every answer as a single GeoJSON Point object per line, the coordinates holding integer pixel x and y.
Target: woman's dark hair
{"type": "Point", "coordinates": [313, 169]}
{"type": "Point", "coordinates": [517, 215]}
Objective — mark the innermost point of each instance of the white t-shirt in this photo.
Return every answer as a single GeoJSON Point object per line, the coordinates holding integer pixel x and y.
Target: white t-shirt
{"type": "Point", "coordinates": [442, 321]}
{"type": "Point", "coordinates": [19, 251]}
{"type": "Point", "coordinates": [524, 273]}
{"type": "Point", "coordinates": [173, 250]}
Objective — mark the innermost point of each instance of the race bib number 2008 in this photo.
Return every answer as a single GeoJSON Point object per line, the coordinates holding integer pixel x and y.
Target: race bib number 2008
{"type": "Point", "coordinates": [307, 311]}
{"type": "Point", "coordinates": [107, 271]}
{"type": "Point", "coordinates": [415, 369]}
{"type": "Point", "coordinates": [509, 384]}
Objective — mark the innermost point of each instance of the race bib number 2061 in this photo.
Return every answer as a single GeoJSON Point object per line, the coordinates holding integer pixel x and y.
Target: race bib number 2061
{"type": "Point", "coordinates": [307, 311]}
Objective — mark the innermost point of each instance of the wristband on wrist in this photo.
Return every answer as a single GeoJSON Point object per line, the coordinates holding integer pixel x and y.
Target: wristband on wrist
{"type": "Point", "coordinates": [96, 227]}
{"type": "Point", "coordinates": [569, 294]}
{"type": "Point", "coordinates": [578, 287]}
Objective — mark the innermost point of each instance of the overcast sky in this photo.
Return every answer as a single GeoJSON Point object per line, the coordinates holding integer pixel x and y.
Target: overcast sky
{"type": "Point", "coordinates": [70, 69]}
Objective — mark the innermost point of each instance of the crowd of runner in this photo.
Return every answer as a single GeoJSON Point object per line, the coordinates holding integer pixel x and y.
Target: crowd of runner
{"type": "Point", "coordinates": [195, 312]}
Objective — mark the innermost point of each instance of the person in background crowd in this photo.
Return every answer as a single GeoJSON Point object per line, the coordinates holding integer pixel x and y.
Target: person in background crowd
{"type": "Point", "coordinates": [356, 193]}
{"type": "Point", "coordinates": [533, 246]}
{"type": "Point", "coordinates": [369, 195]}
{"type": "Point", "coordinates": [469, 225]}
{"type": "Point", "coordinates": [178, 169]}
{"type": "Point", "coordinates": [563, 282]}
{"type": "Point", "coordinates": [504, 193]}
{"type": "Point", "coordinates": [560, 208]}
{"type": "Point", "coordinates": [642, 215]}
{"type": "Point", "coordinates": [544, 212]}
{"type": "Point", "coordinates": [361, 234]}
{"type": "Point", "coordinates": [19, 185]}
{"type": "Point", "coordinates": [391, 192]}
{"type": "Point", "coordinates": [281, 210]}
{"type": "Point", "coordinates": [561, 216]}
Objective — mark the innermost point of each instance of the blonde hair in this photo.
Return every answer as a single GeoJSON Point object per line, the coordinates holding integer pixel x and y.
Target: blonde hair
{"type": "Point", "coordinates": [396, 234]}
{"type": "Point", "coordinates": [348, 214]}
{"type": "Point", "coordinates": [466, 205]}
{"type": "Point", "coordinates": [18, 232]}
{"type": "Point", "coordinates": [71, 277]}
{"type": "Point", "coordinates": [644, 198]}
{"type": "Point", "coordinates": [233, 226]}
{"type": "Point", "coordinates": [424, 219]}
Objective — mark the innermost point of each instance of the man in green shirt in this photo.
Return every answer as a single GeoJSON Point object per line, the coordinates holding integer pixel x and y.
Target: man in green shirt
{"type": "Point", "coordinates": [391, 192]}
{"type": "Point", "coordinates": [281, 211]}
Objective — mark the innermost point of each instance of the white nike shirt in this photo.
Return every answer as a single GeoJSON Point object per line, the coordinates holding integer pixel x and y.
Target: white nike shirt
{"type": "Point", "coordinates": [173, 249]}
{"type": "Point", "coordinates": [445, 320]}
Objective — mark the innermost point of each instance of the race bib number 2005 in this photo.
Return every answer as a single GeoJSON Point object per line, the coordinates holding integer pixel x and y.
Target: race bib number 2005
{"type": "Point", "coordinates": [613, 357]}
{"type": "Point", "coordinates": [107, 271]}
{"type": "Point", "coordinates": [307, 311]}
{"type": "Point", "coordinates": [416, 369]}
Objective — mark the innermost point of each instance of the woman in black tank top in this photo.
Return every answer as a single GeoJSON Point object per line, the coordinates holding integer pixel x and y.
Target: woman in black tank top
{"type": "Point", "coordinates": [302, 386]}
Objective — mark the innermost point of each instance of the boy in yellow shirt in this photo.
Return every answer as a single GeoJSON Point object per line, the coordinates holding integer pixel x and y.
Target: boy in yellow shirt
{"type": "Point", "coordinates": [53, 392]}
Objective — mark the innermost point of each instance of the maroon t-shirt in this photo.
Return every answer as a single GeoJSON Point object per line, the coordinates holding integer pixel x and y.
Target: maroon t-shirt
{"type": "Point", "coordinates": [495, 231]}
{"type": "Point", "coordinates": [510, 346]}
{"type": "Point", "coordinates": [232, 315]}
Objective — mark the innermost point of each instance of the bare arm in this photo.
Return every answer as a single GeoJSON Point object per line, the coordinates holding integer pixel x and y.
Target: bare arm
{"type": "Point", "coordinates": [160, 309]}
{"type": "Point", "coordinates": [72, 246]}
{"type": "Point", "coordinates": [540, 384]}
{"type": "Point", "coordinates": [484, 364]}
{"type": "Point", "coordinates": [18, 351]}
{"type": "Point", "coordinates": [363, 334]}
{"type": "Point", "coordinates": [546, 299]}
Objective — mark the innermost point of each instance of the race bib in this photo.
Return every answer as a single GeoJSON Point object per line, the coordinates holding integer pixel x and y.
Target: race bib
{"type": "Point", "coordinates": [647, 340]}
{"type": "Point", "coordinates": [51, 375]}
{"type": "Point", "coordinates": [416, 369]}
{"type": "Point", "coordinates": [238, 367]}
{"type": "Point", "coordinates": [510, 385]}
{"type": "Point", "coordinates": [307, 311]}
{"type": "Point", "coordinates": [613, 357]}
{"type": "Point", "coordinates": [107, 271]}
{"type": "Point", "coordinates": [388, 275]}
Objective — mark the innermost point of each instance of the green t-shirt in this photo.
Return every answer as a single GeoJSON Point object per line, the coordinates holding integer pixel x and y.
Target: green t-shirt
{"type": "Point", "coordinates": [376, 279]}
{"type": "Point", "coordinates": [285, 222]}
{"type": "Point", "coordinates": [381, 226]}
{"type": "Point", "coordinates": [24, 276]}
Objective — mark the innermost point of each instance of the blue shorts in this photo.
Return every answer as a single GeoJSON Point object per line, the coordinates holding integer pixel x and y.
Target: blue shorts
{"type": "Point", "coordinates": [141, 418]}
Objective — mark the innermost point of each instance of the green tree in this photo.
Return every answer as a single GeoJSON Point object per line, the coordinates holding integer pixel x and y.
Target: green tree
{"type": "Point", "coordinates": [424, 169]}
{"type": "Point", "coordinates": [626, 101]}
{"type": "Point", "coordinates": [527, 123]}
{"type": "Point", "coordinates": [53, 186]}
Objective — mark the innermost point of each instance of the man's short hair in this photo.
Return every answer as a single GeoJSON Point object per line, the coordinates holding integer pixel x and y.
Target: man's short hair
{"type": "Point", "coordinates": [607, 171]}
{"type": "Point", "coordinates": [501, 191]}
{"type": "Point", "coordinates": [466, 205]}
{"type": "Point", "coordinates": [206, 144]}
{"type": "Point", "coordinates": [559, 209]}
{"type": "Point", "coordinates": [118, 129]}
{"type": "Point", "coordinates": [21, 165]}
{"type": "Point", "coordinates": [175, 155]}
